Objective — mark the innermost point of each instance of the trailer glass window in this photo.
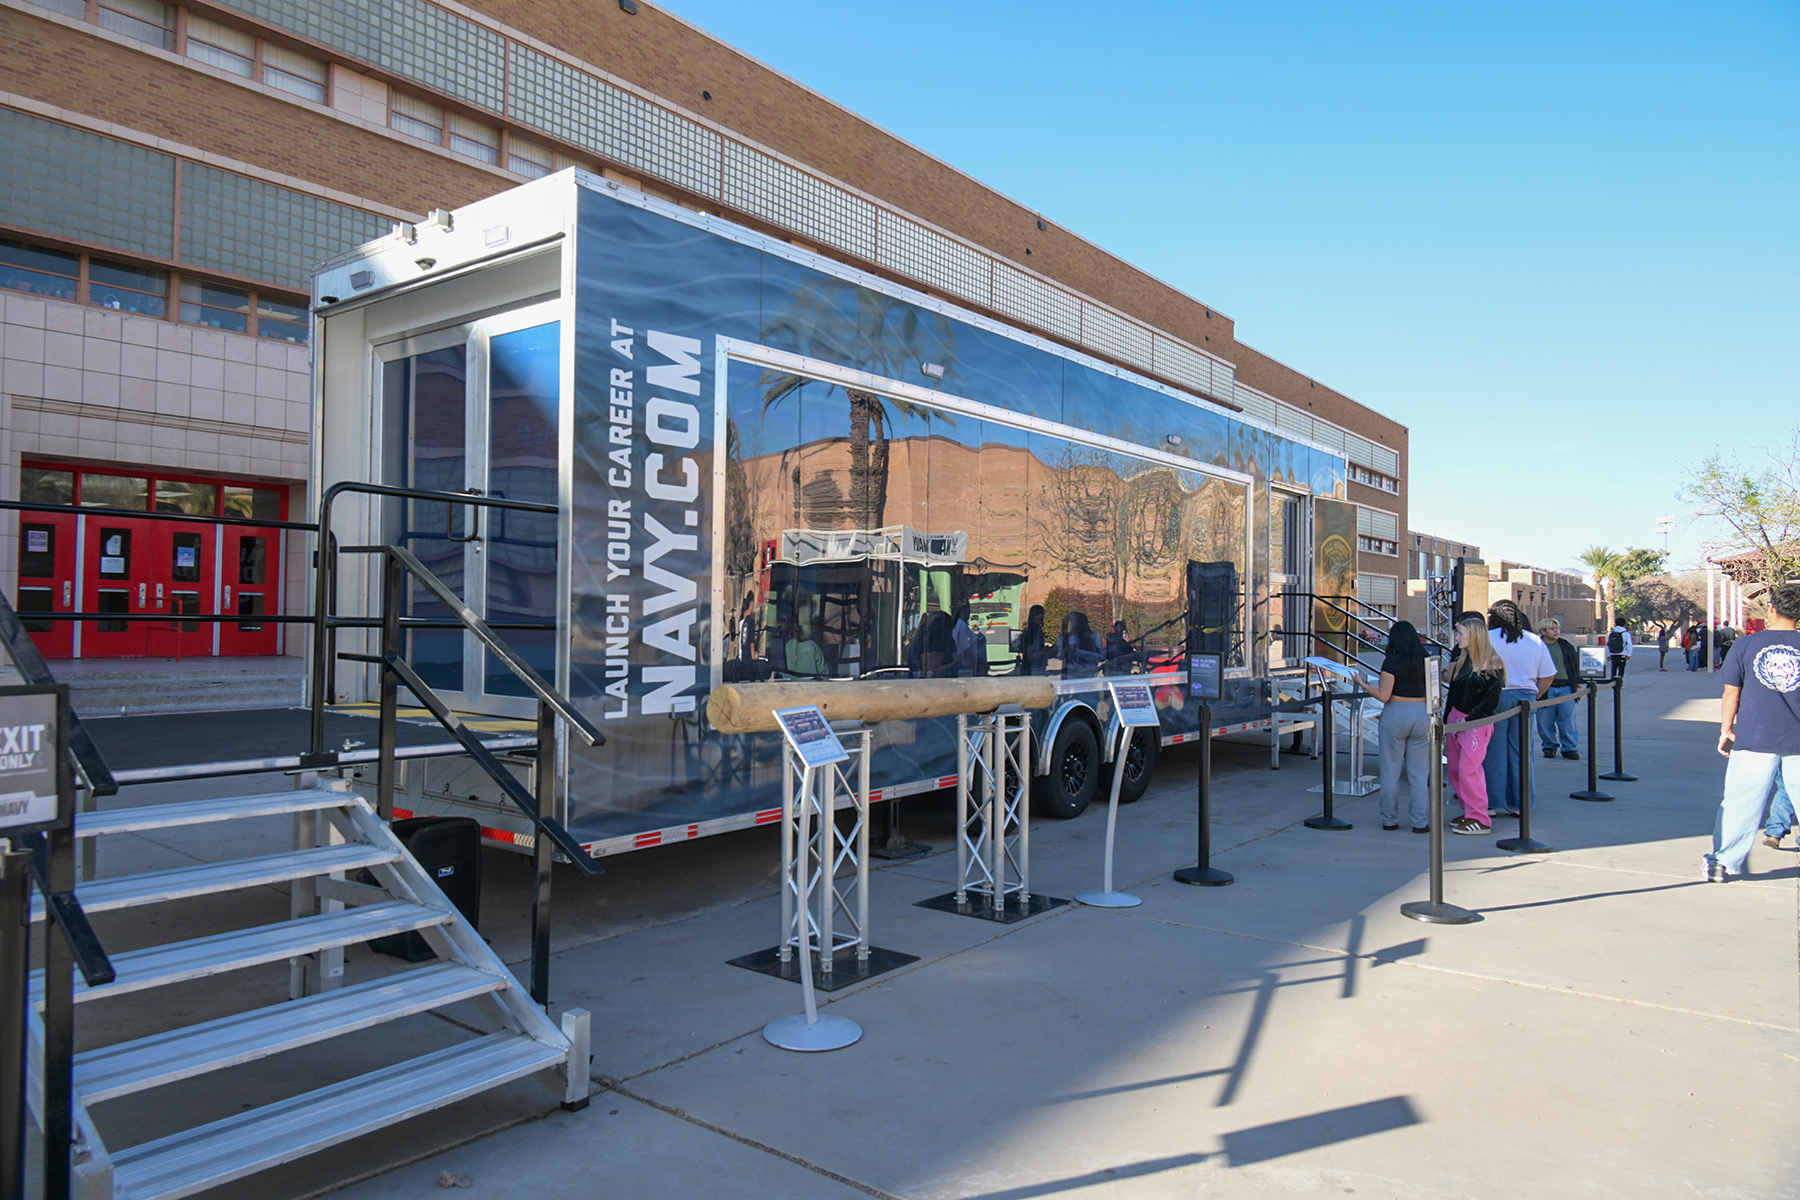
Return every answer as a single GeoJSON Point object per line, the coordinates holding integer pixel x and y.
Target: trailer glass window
{"type": "Point", "coordinates": [869, 536]}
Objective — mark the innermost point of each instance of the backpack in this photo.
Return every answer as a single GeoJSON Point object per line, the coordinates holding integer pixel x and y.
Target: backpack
{"type": "Point", "coordinates": [1615, 642]}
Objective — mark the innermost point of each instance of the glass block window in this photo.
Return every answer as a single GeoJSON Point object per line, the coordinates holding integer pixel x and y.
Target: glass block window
{"type": "Point", "coordinates": [924, 254]}
{"type": "Point", "coordinates": [127, 289]}
{"type": "Point", "coordinates": [146, 20]}
{"type": "Point", "coordinates": [85, 187]}
{"type": "Point", "coordinates": [293, 73]}
{"type": "Point", "coordinates": [613, 123]}
{"type": "Point", "coordinates": [474, 139]}
{"type": "Point", "coordinates": [215, 306]}
{"type": "Point", "coordinates": [38, 272]}
{"type": "Point", "coordinates": [416, 118]}
{"type": "Point", "coordinates": [796, 200]}
{"type": "Point", "coordinates": [218, 46]}
{"type": "Point", "coordinates": [283, 322]}
{"type": "Point", "coordinates": [256, 230]}
{"type": "Point", "coordinates": [528, 158]}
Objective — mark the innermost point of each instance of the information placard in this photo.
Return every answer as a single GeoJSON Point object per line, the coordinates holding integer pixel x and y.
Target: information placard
{"type": "Point", "coordinates": [1434, 690]}
{"type": "Point", "coordinates": [810, 735]}
{"type": "Point", "coordinates": [31, 798]}
{"type": "Point", "coordinates": [1134, 703]}
{"type": "Point", "coordinates": [1593, 662]}
{"type": "Point", "coordinates": [1206, 676]}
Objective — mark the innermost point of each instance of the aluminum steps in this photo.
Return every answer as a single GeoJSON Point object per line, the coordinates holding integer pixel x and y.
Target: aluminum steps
{"type": "Point", "coordinates": [128, 1067]}
{"type": "Point", "coordinates": [178, 962]}
{"type": "Point", "coordinates": [201, 812]}
{"type": "Point", "coordinates": [335, 833]}
{"type": "Point", "coordinates": [202, 879]}
{"type": "Point", "coordinates": [185, 1163]}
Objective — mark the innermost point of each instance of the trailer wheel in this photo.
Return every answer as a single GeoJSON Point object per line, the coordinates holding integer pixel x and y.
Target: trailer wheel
{"type": "Point", "coordinates": [1074, 775]}
{"type": "Point", "coordinates": [1140, 762]}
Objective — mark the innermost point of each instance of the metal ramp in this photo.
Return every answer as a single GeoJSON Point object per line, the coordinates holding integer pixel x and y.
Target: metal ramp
{"type": "Point", "coordinates": [336, 833]}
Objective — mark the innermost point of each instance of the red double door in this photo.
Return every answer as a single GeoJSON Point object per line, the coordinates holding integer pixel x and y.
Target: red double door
{"type": "Point", "coordinates": [71, 562]}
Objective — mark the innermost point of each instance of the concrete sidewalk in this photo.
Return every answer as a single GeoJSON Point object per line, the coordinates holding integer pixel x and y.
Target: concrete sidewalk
{"type": "Point", "coordinates": [1613, 1026]}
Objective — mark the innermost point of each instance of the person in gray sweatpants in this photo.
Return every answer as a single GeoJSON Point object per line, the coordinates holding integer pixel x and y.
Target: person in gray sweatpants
{"type": "Point", "coordinates": [1405, 736]}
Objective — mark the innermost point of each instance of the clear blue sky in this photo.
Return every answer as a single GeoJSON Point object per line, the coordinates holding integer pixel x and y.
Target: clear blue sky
{"type": "Point", "coordinates": [1558, 241]}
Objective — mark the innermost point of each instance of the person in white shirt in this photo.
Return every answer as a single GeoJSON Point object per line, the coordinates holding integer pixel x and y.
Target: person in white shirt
{"type": "Point", "coordinates": [1618, 649]}
{"type": "Point", "coordinates": [1529, 672]}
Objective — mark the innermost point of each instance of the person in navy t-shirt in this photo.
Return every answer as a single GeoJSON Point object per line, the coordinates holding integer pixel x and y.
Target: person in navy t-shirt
{"type": "Point", "coordinates": [1759, 731]}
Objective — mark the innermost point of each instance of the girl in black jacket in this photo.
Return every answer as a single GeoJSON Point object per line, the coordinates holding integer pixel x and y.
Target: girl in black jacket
{"type": "Point", "coordinates": [1476, 677]}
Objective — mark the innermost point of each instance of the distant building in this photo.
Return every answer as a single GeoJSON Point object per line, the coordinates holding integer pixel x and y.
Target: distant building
{"type": "Point", "coordinates": [1542, 593]}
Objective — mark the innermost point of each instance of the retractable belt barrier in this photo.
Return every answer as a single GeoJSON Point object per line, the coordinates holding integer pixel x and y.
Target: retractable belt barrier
{"type": "Point", "coordinates": [1618, 774]}
{"type": "Point", "coordinates": [1204, 874]}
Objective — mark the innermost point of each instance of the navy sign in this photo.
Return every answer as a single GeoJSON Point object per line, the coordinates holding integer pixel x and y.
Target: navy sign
{"type": "Point", "coordinates": [1206, 674]}
{"type": "Point", "coordinates": [32, 798]}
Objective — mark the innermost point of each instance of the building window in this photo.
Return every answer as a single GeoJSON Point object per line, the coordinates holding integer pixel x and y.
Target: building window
{"type": "Point", "coordinates": [417, 119]}
{"type": "Point", "coordinates": [293, 73]}
{"type": "Point", "coordinates": [39, 272]}
{"type": "Point", "coordinates": [218, 46]}
{"type": "Point", "coordinates": [474, 139]}
{"type": "Point", "coordinates": [1375, 545]}
{"type": "Point", "coordinates": [528, 158]}
{"type": "Point", "coordinates": [283, 322]}
{"type": "Point", "coordinates": [1374, 479]}
{"type": "Point", "coordinates": [45, 485]}
{"type": "Point", "coordinates": [261, 504]}
{"type": "Point", "coordinates": [146, 20]}
{"type": "Point", "coordinates": [127, 289]}
{"type": "Point", "coordinates": [186, 496]}
{"type": "Point", "coordinates": [214, 306]}
{"type": "Point", "coordinates": [114, 491]}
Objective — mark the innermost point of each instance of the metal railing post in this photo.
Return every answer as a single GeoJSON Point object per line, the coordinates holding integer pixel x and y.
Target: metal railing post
{"type": "Point", "coordinates": [1592, 792]}
{"type": "Point", "coordinates": [1435, 911]}
{"type": "Point", "coordinates": [541, 855]}
{"type": "Point", "coordinates": [1204, 874]}
{"type": "Point", "coordinates": [1328, 742]}
{"type": "Point", "coordinates": [59, 1023]}
{"type": "Point", "coordinates": [1619, 773]}
{"type": "Point", "coordinates": [392, 578]}
{"type": "Point", "coordinates": [1524, 843]}
{"type": "Point", "coordinates": [15, 954]}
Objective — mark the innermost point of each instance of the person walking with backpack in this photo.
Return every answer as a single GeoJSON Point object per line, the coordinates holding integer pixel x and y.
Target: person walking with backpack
{"type": "Point", "coordinates": [1759, 731]}
{"type": "Point", "coordinates": [1476, 678]}
{"type": "Point", "coordinates": [1528, 673]}
{"type": "Point", "coordinates": [1618, 650]}
{"type": "Point", "coordinates": [1556, 728]}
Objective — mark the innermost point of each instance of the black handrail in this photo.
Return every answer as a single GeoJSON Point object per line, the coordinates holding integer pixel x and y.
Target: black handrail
{"type": "Point", "coordinates": [35, 670]}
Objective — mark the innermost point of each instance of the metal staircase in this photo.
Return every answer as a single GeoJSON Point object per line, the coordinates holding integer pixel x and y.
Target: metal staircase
{"type": "Point", "coordinates": [337, 833]}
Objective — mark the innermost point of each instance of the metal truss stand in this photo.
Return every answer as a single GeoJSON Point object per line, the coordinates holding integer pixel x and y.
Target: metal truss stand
{"type": "Point", "coordinates": [993, 844]}
{"type": "Point", "coordinates": [824, 894]}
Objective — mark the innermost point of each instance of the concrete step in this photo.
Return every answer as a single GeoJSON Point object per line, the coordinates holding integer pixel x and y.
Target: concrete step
{"type": "Point", "coordinates": [115, 687]}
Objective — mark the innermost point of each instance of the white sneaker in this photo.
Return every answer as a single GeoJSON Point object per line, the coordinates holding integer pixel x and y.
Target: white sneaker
{"type": "Point", "coordinates": [1715, 870]}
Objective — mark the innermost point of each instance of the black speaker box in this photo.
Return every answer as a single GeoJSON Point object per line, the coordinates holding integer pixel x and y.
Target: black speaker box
{"type": "Point", "coordinates": [449, 848]}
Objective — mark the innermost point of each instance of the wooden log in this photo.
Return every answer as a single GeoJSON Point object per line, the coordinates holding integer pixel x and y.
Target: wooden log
{"type": "Point", "coordinates": [750, 707]}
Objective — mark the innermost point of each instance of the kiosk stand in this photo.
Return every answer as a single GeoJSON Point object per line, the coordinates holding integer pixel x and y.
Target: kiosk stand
{"type": "Point", "coordinates": [814, 763]}
{"type": "Point", "coordinates": [1133, 707]}
{"type": "Point", "coordinates": [993, 844]}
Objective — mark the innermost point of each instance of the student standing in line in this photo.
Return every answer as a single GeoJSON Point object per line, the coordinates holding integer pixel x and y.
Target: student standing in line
{"type": "Point", "coordinates": [1476, 678]}
{"type": "Point", "coordinates": [1528, 673]}
{"type": "Point", "coordinates": [1759, 731]}
{"type": "Point", "coordinates": [1556, 726]}
{"type": "Point", "coordinates": [1405, 731]}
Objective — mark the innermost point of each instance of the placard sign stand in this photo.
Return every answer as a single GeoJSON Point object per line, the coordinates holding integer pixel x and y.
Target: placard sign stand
{"type": "Point", "coordinates": [815, 758]}
{"type": "Point", "coordinates": [1134, 707]}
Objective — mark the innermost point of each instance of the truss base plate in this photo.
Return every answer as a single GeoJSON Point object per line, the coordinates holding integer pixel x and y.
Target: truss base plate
{"type": "Point", "coordinates": [846, 968]}
{"type": "Point", "coordinates": [827, 1033]}
{"type": "Point", "coordinates": [976, 904]}
{"type": "Point", "coordinates": [904, 850]}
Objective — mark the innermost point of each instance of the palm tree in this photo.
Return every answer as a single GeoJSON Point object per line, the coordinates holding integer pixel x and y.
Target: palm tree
{"type": "Point", "coordinates": [1605, 563]}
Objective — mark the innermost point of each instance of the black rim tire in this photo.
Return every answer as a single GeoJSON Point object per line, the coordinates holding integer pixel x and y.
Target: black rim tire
{"type": "Point", "coordinates": [1074, 776]}
{"type": "Point", "coordinates": [1140, 764]}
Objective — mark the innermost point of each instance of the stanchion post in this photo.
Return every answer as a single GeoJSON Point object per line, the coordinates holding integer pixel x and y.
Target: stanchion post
{"type": "Point", "coordinates": [1618, 773]}
{"type": "Point", "coordinates": [1205, 874]}
{"type": "Point", "coordinates": [1524, 843]}
{"type": "Point", "coordinates": [15, 943]}
{"type": "Point", "coordinates": [1435, 911]}
{"type": "Point", "coordinates": [1328, 742]}
{"type": "Point", "coordinates": [1592, 791]}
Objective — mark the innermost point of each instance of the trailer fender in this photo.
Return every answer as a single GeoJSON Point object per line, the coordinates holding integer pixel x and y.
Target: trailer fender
{"type": "Point", "coordinates": [1047, 738]}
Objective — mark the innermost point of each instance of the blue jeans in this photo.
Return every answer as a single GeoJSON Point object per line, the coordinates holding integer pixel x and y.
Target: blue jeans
{"type": "Point", "coordinates": [1502, 766]}
{"type": "Point", "coordinates": [1556, 728]}
{"type": "Point", "coordinates": [1748, 777]}
{"type": "Point", "coordinates": [1781, 810]}
{"type": "Point", "coordinates": [1693, 657]}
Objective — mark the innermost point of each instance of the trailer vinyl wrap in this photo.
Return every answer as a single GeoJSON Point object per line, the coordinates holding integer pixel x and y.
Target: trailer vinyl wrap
{"type": "Point", "coordinates": [691, 423]}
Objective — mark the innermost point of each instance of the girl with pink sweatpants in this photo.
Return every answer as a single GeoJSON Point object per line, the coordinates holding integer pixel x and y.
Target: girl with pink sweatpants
{"type": "Point", "coordinates": [1476, 677]}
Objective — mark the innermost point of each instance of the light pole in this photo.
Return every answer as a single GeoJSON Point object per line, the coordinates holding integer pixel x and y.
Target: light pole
{"type": "Point", "coordinates": [1663, 526]}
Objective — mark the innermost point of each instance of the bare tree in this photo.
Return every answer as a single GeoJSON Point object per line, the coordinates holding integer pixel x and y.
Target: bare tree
{"type": "Point", "coordinates": [1755, 509]}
